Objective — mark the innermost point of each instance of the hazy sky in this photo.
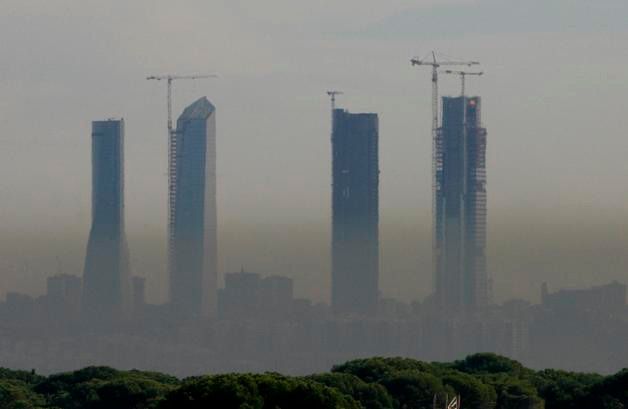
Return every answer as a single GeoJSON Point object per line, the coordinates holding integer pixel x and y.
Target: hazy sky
{"type": "Point", "coordinates": [554, 104]}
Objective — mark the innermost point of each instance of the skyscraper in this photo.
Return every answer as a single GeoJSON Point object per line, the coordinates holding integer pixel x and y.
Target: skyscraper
{"type": "Point", "coordinates": [106, 278]}
{"type": "Point", "coordinates": [355, 213]}
{"type": "Point", "coordinates": [460, 275]}
{"type": "Point", "coordinates": [193, 247]}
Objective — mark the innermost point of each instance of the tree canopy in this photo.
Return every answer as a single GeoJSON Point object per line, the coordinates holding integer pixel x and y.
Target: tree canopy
{"type": "Point", "coordinates": [483, 381]}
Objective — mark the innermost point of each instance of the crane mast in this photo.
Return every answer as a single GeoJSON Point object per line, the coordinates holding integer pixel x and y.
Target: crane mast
{"type": "Point", "coordinates": [436, 154]}
{"type": "Point", "coordinates": [435, 64]}
{"type": "Point", "coordinates": [172, 151]}
{"type": "Point", "coordinates": [169, 79]}
{"type": "Point", "coordinates": [332, 95]}
{"type": "Point", "coordinates": [463, 75]}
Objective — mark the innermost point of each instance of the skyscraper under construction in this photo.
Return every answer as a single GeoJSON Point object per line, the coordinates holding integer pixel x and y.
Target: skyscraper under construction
{"type": "Point", "coordinates": [193, 238]}
{"type": "Point", "coordinates": [106, 278]}
{"type": "Point", "coordinates": [355, 213]}
{"type": "Point", "coordinates": [461, 280]}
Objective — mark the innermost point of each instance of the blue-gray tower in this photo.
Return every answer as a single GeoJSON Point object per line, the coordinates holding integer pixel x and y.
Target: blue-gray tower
{"type": "Point", "coordinates": [193, 240]}
{"type": "Point", "coordinates": [461, 279]}
{"type": "Point", "coordinates": [106, 278]}
{"type": "Point", "coordinates": [355, 213]}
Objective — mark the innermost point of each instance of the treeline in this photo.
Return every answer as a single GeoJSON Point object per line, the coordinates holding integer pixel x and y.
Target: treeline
{"type": "Point", "coordinates": [482, 380]}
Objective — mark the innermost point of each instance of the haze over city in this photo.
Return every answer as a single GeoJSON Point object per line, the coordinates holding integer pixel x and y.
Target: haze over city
{"type": "Point", "coordinates": [553, 100]}
{"type": "Point", "coordinates": [548, 114]}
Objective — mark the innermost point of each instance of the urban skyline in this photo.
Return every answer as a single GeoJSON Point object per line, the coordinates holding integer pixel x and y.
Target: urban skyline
{"type": "Point", "coordinates": [459, 229]}
{"type": "Point", "coordinates": [485, 286]}
{"type": "Point", "coordinates": [511, 74]}
{"type": "Point", "coordinates": [550, 231]}
{"type": "Point", "coordinates": [453, 232]}
{"type": "Point", "coordinates": [258, 323]}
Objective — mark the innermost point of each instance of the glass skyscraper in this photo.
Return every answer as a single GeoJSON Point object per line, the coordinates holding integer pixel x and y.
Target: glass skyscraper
{"type": "Point", "coordinates": [461, 279]}
{"type": "Point", "coordinates": [193, 240]}
{"type": "Point", "coordinates": [355, 213]}
{"type": "Point", "coordinates": [106, 277]}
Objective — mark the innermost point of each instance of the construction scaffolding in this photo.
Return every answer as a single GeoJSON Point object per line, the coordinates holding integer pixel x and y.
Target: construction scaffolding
{"type": "Point", "coordinates": [173, 155]}
{"type": "Point", "coordinates": [460, 274]}
{"type": "Point", "coordinates": [438, 171]}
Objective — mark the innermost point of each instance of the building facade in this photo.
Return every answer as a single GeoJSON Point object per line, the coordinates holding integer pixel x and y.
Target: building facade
{"type": "Point", "coordinates": [355, 213]}
{"type": "Point", "coordinates": [461, 280]}
{"type": "Point", "coordinates": [249, 296]}
{"type": "Point", "coordinates": [193, 239]}
{"type": "Point", "coordinates": [106, 276]}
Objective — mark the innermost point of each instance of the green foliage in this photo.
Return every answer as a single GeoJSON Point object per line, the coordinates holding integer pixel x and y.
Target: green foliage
{"type": "Point", "coordinates": [486, 363]}
{"type": "Point", "coordinates": [102, 387]}
{"type": "Point", "coordinates": [609, 393]}
{"type": "Point", "coordinates": [484, 381]}
{"type": "Point", "coordinates": [15, 394]}
{"type": "Point", "coordinates": [376, 369]}
{"type": "Point", "coordinates": [247, 391]}
{"type": "Point", "coordinates": [563, 390]}
{"type": "Point", "coordinates": [29, 377]}
{"type": "Point", "coordinates": [414, 389]}
{"type": "Point", "coordinates": [233, 391]}
{"type": "Point", "coordinates": [516, 394]}
{"type": "Point", "coordinates": [473, 392]}
{"type": "Point", "coordinates": [369, 395]}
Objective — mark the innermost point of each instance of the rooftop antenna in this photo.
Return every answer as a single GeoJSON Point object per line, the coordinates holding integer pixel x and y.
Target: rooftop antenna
{"type": "Point", "coordinates": [332, 94]}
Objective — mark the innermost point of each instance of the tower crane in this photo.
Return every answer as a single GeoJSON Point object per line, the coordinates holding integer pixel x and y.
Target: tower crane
{"type": "Point", "coordinates": [169, 79]}
{"type": "Point", "coordinates": [463, 75]}
{"type": "Point", "coordinates": [172, 150]}
{"type": "Point", "coordinates": [437, 156]}
{"type": "Point", "coordinates": [435, 65]}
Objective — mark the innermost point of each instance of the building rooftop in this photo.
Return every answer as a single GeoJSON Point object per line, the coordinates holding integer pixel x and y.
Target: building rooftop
{"type": "Point", "coordinates": [109, 120]}
{"type": "Point", "coordinates": [200, 109]}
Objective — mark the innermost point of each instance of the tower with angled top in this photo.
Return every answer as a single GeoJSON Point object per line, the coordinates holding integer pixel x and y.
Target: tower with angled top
{"type": "Point", "coordinates": [193, 241]}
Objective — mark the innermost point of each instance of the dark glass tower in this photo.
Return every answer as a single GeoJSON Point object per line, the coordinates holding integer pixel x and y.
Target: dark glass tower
{"type": "Point", "coordinates": [355, 213]}
{"type": "Point", "coordinates": [193, 241]}
{"type": "Point", "coordinates": [461, 280]}
{"type": "Point", "coordinates": [106, 278]}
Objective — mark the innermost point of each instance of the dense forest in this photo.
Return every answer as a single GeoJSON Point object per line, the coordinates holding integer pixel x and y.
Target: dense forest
{"type": "Point", "coordinates": [482, 381]}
